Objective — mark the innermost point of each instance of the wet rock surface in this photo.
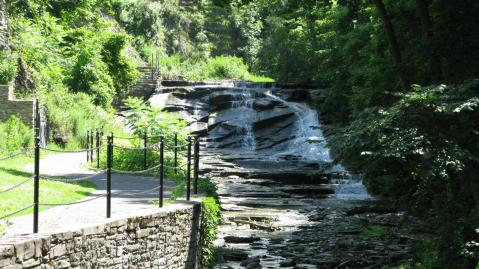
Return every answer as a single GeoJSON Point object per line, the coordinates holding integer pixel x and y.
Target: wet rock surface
{"type": "Point", "coordinates": [269, 223]}
{"type": "Point", "coordinates": [277, 185]}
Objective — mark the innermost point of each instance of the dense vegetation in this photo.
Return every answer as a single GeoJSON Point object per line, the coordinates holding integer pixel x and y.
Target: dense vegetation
{"type": "Point", "coordinates": [401, 91]}
{"type": "Point", "coordinates": [400, 79]}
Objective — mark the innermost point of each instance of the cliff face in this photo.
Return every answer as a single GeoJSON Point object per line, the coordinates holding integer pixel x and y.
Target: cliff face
{"type": "Point", "coordinates": [4, 30]}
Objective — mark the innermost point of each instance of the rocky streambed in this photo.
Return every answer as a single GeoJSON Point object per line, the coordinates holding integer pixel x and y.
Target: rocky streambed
{"type": "Point", "coordinates": [276, 218]}
{"type": "Point", "coordinates": [284, 203]}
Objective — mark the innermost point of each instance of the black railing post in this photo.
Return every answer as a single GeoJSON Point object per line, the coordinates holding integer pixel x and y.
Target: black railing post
{"type": "Point", "coordinates": [162, 168]}
{"type": "Point", "coordinates": [36, 185]}
{"type": "Point", "coordinates": [108, 176]}
{"type": "Point", "coordinates": [112, 148]}
{"type": "Point", "coordinates": [37, 119]}
{"type": "Point", "coordinates": [88, 146]}
{"type": "Point", "coordinates": [98, 148]}
{"type": "Point", "coordinates": [196, 164]}
{"type": "Point", "coordinates": [145, 151]}
{"type": "Point", "coordinates": [176, 153]}
{"type": "Point", "coordinates": [188, 171]}
{"type": "Point", "coordinates": [92, 145]}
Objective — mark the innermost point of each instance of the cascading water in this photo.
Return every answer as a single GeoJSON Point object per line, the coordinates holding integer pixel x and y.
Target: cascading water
{"type": "Point", "coordinates": [243, 104]}
{"type": "Point", "coordinates": [309, 143]}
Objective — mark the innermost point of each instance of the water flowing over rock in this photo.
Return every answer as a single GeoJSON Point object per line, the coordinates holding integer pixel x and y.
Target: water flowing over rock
{"type": "Point", "coordinates": [284, 203]}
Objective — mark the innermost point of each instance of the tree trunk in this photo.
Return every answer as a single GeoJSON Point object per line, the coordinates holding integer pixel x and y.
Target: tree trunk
{"type": "Point", "coordinates": [393, 43]}
{"type": "Point", "coordinates": [427, 34]}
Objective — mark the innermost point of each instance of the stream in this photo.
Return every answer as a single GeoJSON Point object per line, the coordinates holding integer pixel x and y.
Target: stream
{"type": "Point", "coordinates": [284, 202]}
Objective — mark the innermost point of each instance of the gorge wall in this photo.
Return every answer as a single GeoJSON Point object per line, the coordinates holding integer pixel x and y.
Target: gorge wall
{"type": "Point", "coordinates": [168, 238]}
{"type": "Point", "coordinates": [4, 31]}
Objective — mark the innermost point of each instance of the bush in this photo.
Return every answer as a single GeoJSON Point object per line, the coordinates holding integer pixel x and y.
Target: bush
{"type": "Point", "coordinates": [89, 74]}
{"type": "Point", "coordinates": [220, 68]}
{"type": "Point", "coordinates": [423, 152]}
{"type": "Point", "coordinates": [71, 115]}
{"type": "Point", "coordinates": [14, 136]}
{"type": "Point", "coordinates": [209, 230]}
{"type": "Point", "coordinates": [122, 69]}
{"type": "Point", "coordinates": [8, 68]}
{"type": "Point", "coordinates": [203, 69]}
{"type": "Point", "coordinates": [143, 118]}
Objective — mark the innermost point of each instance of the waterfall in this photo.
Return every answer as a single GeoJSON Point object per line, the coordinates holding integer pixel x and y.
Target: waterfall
{"type": "Point", "coordinates": [309, 142]}
{"type": "Point", "coordinates": [243, 104]}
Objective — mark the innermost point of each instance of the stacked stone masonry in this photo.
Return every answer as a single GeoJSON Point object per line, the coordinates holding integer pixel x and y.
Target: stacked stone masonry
{"type": "Point", "coordinates": [165, 239]}
{"type": "Point", "coordinates": [9, 106]}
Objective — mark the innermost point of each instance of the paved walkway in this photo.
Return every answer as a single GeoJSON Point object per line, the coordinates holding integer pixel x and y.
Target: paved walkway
{"type": "Point", "coordinates": [70, 165]}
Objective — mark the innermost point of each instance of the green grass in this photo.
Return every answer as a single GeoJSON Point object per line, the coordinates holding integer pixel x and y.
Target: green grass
{"type": "Point", "coordinates": [258, 78]}
{"type": "Point", "coordinates": [14, 171]}
{"type": "Point", "coordinates": [217, 68]}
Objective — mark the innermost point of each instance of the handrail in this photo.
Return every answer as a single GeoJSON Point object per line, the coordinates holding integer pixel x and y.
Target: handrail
{"type": "Point", "coordinates": [16, 154]}
{"type": "Point", "coordinates": [16, 212]}
{"type": "Point", "coordinates": [16, 186]}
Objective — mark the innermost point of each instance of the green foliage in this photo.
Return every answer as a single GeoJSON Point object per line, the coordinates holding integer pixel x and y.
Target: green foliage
{"type": "Point", "coordinates": [72, 115]}
{"type": "Point", "coordinates": [166, 25]}
{"type": "Point", "coordinates": [209, 230]}
{"type": "Point", "coordinates": [143, 118]}
{"type": "Point", "coordinates": [122, 70]}
{"type": "Point", "coordinates": [69, 43]}
{"type": "Point", "coordinates": [140, 119]}
{"type": "Point", "coordinates": [219, 68]}
{"type": "Point", "coordinates": [89, 74]}
{"type": "Point", "coordinates": [8, 68]}
{"type": "Point", "coordinates": [422, 151]}
{"type": "Point", "coordinates": [14, 136]}
{"type": "Point", "coordinates": [206, 69]}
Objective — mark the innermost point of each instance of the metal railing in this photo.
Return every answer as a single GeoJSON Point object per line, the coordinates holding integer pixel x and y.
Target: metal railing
{"type": "Point", "coordinates": [94, 153]}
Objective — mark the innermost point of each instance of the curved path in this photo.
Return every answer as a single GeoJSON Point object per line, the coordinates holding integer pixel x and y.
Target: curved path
{"type": "Point", "coordinates": [129, 195]}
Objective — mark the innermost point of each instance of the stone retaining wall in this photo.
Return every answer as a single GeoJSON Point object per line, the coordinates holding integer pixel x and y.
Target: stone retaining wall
{"type": "Point", "coordinates": [168, 238]}
{"type": "Point", "coordinates": [9, 106]}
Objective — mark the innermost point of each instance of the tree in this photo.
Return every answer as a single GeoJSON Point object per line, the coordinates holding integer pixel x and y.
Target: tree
{"type": "Point", "coordinates": [393, 43]}
{"type": "Point", "coordinates": [427, 35]}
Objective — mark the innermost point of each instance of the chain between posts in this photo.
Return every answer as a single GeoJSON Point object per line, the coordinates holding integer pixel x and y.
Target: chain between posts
{"type": "Point", "coordinates": [93, 147]}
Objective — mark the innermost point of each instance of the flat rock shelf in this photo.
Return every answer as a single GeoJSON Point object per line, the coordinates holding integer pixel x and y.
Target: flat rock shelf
{"type": "Point", "coordinates": [269, 223]}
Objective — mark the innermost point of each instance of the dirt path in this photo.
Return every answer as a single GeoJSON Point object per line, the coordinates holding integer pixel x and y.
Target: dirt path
{"type": "Point", "coordinates": [129, 195]}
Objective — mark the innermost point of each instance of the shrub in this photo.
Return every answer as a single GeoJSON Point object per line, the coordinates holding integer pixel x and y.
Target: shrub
{"type": "Point", "coordinates": [422, 151]}
{"type": "Point", "coordinates": [8, 68]}
{"type": "Point", "coordinates": [90, 75]}
{"type": "Point", "coordinates": [143, 118]}
{"type": "Point", "coordinates": [209, 230]}
{"type": "Point", "coordinates": [122, 69]}
{"type": "Point", "coordinates": [219, 68]}
{"type": "Point", "coordinates": [14, 136]}
{"type": "Point", "coordinates": [71, 115]}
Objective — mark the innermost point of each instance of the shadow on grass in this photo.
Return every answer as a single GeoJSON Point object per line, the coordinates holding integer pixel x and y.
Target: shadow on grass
{"type": "Point", "coordinates": [15, 172]}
